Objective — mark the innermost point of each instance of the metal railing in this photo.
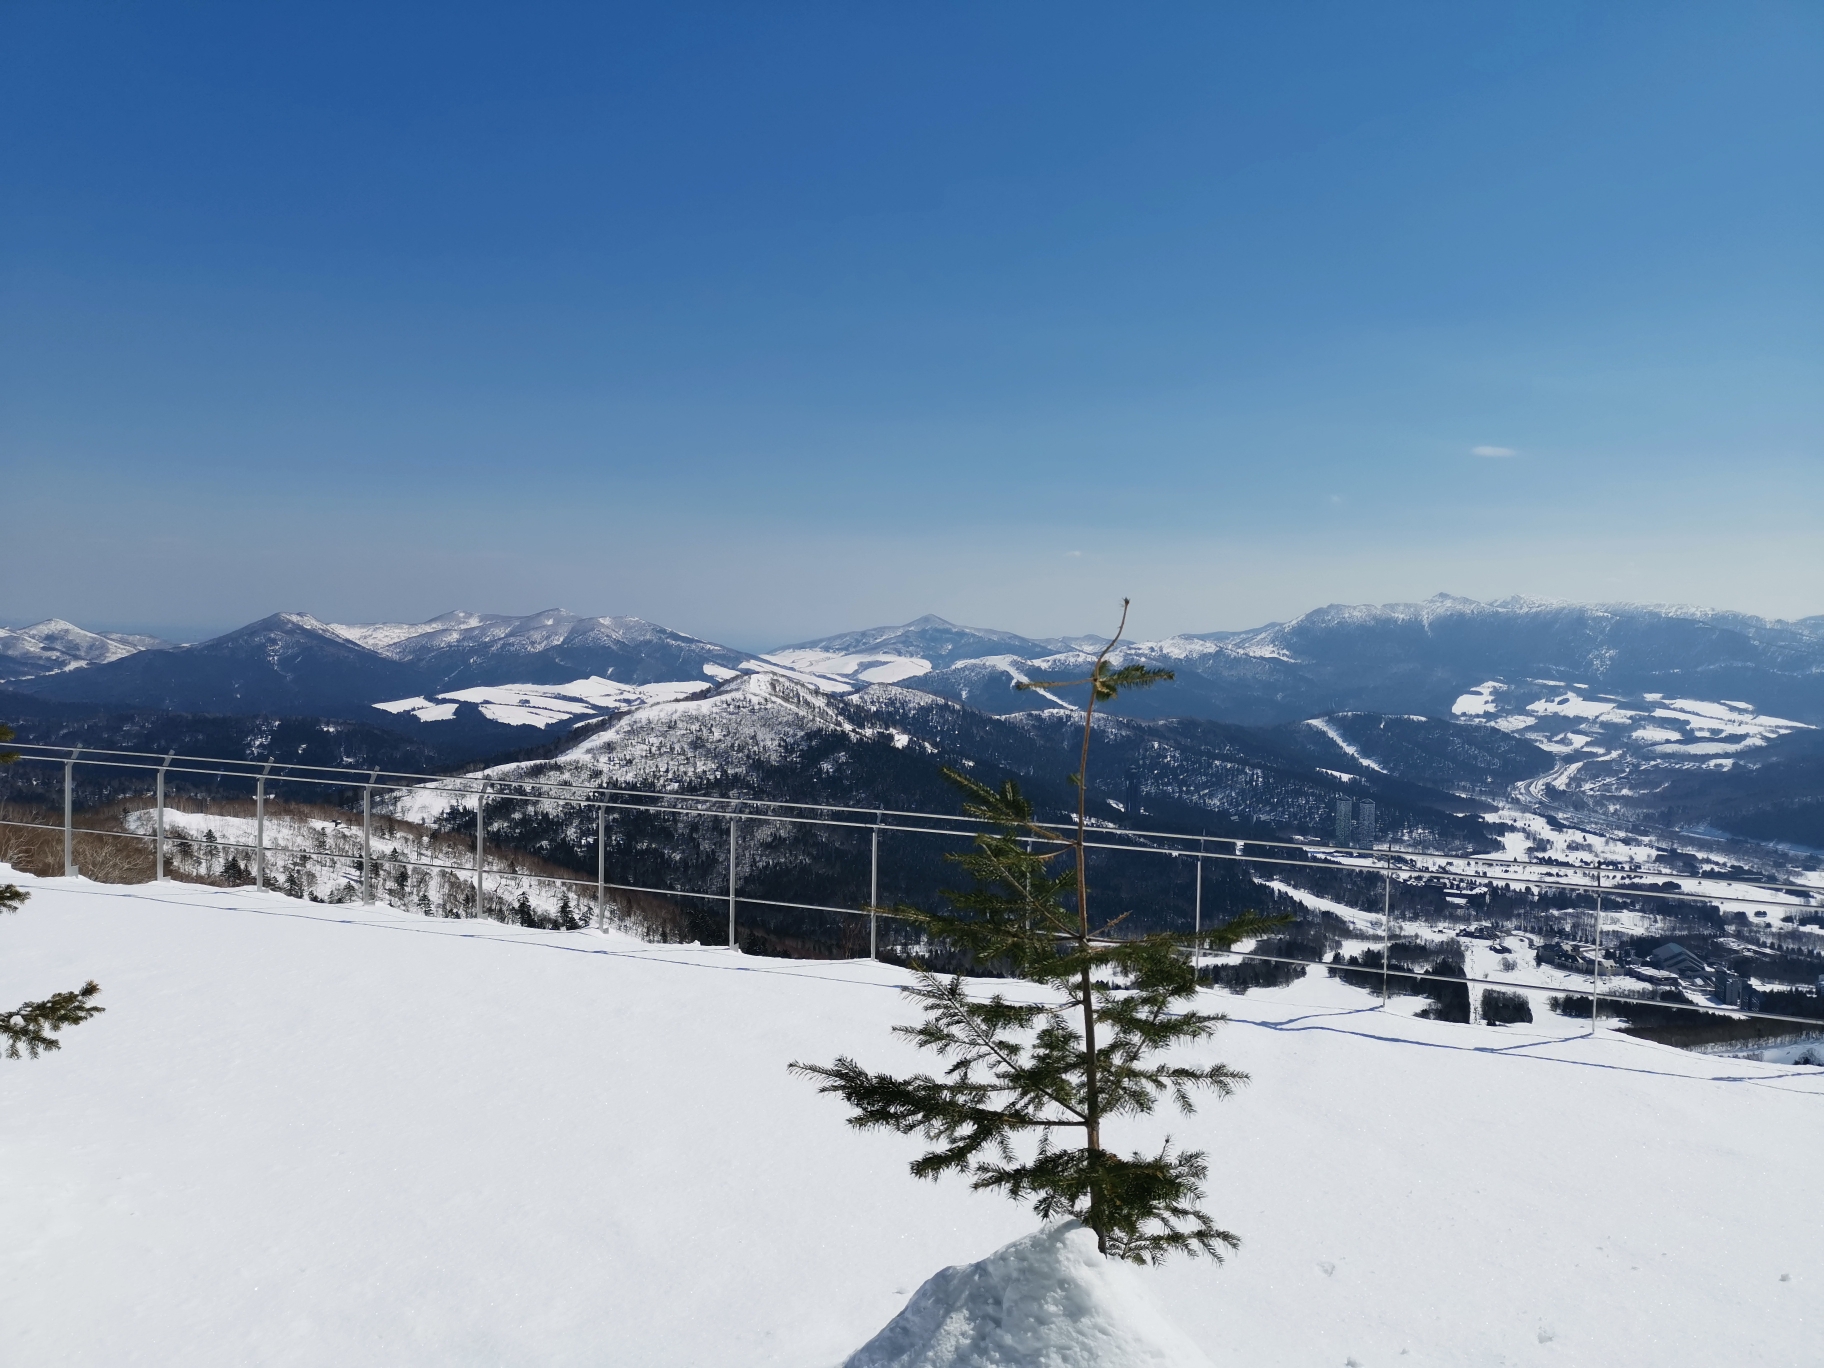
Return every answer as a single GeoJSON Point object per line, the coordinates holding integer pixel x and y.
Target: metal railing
{"type": "Point", "coordinates": [1390, 862]}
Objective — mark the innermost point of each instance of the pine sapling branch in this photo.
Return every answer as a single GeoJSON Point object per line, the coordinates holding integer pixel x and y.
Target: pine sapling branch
{"type": "Point", "coordinates": [31, 1025]}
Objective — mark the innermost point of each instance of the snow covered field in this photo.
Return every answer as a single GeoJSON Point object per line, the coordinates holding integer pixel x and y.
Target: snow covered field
{"type": "Point", "coordinates": [336, 1135]}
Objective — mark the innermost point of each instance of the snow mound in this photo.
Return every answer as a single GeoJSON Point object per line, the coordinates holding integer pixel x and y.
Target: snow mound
{"type": "Point", "coordinates": [1048, 1300]}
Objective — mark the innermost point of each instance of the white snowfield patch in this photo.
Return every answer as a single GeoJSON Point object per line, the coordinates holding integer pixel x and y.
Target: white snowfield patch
{"type": "Point", "coordinates": [1573, 705]}
{"type": "Point", "coordinates": [306, 1135]}
{"type": "Point", "coordinates": [1479, 701]}
{"type": "Point", "coordinates": [1712, 722]}
{"type": "Point", "coordinates": [1707, 725]}
{"type": "Point", "coordinates": [875, 668]}
{"type": "Point", "coordinates": [1621, 746]}
{"type": "Point", "coordinates": [824, 683]}
{"type": "Point", "coordinates": [378, 636]}
{"type": "Point", "coordinates": [539, 705]}
{"type": "Point", "coordinates": [1048, 1298]}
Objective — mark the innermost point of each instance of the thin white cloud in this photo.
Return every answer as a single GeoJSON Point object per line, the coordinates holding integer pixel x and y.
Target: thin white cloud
{"type": "Point", "coordinates": [1492, 451]}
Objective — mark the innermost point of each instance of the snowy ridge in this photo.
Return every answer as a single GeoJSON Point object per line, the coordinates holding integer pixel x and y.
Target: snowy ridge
{"type": "Point", "coordinates": [55, 646]}
{"type": "Point", "coordinates": [539, 705]}
{"type": "Point", "coordinates": [683, 743]}
{"type": "Point", "coordinates": [383, 636]}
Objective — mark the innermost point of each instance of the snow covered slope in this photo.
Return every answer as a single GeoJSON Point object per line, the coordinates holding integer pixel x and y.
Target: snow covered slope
{"type": "Point", "coordinates": [1389, 658]}
{"type": "Point", "coordinates": [1048, 1298]}
{"type": "Point", "coordinates": [1706, 765]}
{"type": "Point", "coordinates": [304, 1135]}
{"type": "Point", "coordinates": [1572, 721]}
{"type": "Point", "coordinates": [54, 646]}
{"type": "Point", "coordinates": [723, 742]}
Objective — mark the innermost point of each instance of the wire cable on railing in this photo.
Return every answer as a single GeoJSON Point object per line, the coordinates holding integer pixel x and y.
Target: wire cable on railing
{"type": "Point", "coordinates": [348, 777]}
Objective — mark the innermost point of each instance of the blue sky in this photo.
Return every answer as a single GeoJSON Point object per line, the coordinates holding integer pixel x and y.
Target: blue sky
{"type": "Point", "coordinates": [771, 321]}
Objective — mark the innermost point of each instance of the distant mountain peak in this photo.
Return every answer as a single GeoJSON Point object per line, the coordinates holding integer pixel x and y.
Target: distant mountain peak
{"type": "Point", "coordinates": [55, 646]}
{"type": "Point", "coordinates": [932, 639]}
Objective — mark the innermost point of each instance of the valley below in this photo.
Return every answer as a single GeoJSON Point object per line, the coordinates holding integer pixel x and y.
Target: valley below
{"type": "Point", "coordinates": [690, 793]}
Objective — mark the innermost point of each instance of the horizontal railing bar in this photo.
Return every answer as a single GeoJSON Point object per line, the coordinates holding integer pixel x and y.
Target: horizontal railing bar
{"type": "Point", "coordinates": [360, 778]}
{"type": "Point", "coordinates": [351, 778]}
{"type": "Point", "coordinates": [383, 861]}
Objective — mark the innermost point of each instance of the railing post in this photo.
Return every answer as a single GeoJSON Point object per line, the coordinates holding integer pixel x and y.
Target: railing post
{"type": "Point", "coordinates": [481, 798]}
{"type": "Point", "coordinates": [69, 829]}
{"type": "Point", "coordinates": [874, 892]}
{"type": "Point", "coordinates": [159, 820]}
{"type": "Point", "coordinates": [367, 839]}
{"type": "Point", "coordinates": [731, 881]}
{"type": "Point", "coordinates": [1596, 958]}
{"type": "Point", "coordinates": [1197, 918]}
{"type": "Point", "coordinates": [259, 829]}
{"type": "Point", "coordinates": [1386, 922]}
{"type": "Point", "coordinates": [601, 868]}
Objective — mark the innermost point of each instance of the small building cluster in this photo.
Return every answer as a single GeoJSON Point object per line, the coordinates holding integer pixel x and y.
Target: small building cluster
{"type": "Point", "coordinates": [1355, 823]}
{"type": "Point", "coordinates": [1736, 990]}
{"type": "Point", "coordinates": [1675, 959]}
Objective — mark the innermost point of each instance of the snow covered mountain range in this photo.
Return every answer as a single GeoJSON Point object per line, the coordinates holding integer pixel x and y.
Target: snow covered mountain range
{"type": "Point", "coordinates": [1635, 712]}
{"type": "Point", "coordinates": [1394, 658]}
{"type": "Point", "coordinates": [54, 646]}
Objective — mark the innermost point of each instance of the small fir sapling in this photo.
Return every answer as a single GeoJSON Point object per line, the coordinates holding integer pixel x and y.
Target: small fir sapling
{"type": "Point", "coordinates": [1021, 1105]}
{"type": "Point", "coordinates": [31, 1026]}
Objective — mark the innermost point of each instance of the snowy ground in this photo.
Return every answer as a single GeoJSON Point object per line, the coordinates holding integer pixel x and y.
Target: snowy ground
{"type": "Point", "coordinates": [334, 1135]}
